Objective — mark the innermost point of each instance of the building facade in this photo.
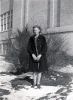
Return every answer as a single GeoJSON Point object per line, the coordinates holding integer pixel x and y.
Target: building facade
{"type": "Point", "coordinates": [54, 16]}
{"type": "Point", "coordinates": [6, 21]}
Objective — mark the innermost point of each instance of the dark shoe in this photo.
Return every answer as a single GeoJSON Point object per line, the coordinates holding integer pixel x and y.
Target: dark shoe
{"type": "Point", "coordinates": [38, 86]}
{"type": "Point", "coordinates": [32, 86]}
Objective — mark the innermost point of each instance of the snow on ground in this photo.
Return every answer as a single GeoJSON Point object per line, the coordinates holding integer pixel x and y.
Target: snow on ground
{"type": "Point", "coordinates": [32, 94]}
{"type": "Point", "coordinates": [5, 81]}
{"type": "Point", "coordinates": [70, 97]}
{"type": "Point", "coordinates": [13, 88]}
{"type": "Point", "coordinates": [6, 66]}
{"type": "Point", "coordinates": [25, 93]}
{"type": "Point", "coordinates": [66, 69]}
{"type": "Point", "coordinates": [58, 88]}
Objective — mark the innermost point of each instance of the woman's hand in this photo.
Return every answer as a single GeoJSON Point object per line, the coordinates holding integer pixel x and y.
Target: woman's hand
{"type": "Point", "coordinates": [39, 57]}
{"type": "Point", "coordinates": [34, 56]}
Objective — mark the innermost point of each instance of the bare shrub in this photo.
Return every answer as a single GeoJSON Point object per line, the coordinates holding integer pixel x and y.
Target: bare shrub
{"type": "Point", "coordinates": [18, 50]}
{"type": "Point", "coordinates": [55, 54]}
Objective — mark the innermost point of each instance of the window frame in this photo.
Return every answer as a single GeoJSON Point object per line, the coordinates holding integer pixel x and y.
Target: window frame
{"type": "Point", "coordinates": [6, 21]}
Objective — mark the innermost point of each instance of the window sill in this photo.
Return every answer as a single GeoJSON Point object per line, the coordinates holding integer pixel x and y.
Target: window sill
{"type": "Point", "coordinates": [60, 30]}
{"type": "Point", "coordinates": [6, 31]}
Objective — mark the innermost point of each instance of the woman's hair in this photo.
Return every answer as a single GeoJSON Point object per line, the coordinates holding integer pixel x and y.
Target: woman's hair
{"type": "Point", "coordinates": [36, 26]}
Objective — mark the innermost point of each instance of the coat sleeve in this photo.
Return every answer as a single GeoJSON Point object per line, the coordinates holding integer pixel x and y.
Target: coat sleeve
{"type": "Point", "coordinates": [44, 46]}
{"type": "Point", "coordinates": [29, 47]}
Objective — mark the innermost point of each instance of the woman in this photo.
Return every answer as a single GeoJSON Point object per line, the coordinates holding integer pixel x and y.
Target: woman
{"type": "Point", "coordinates": [37, 48]}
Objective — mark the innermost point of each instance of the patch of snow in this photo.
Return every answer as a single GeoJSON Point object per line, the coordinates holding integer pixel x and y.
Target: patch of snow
{"type": "Point", "coordinates": [31, 93]}
{"type": "Point", "coordinates": [23, 75]}
{"type": "Point", "coordinates": [58, 75]}
{"type": "Point", "coordinates": [5, 81]}
{"type": "Point", "coordinates": [53, 77]}
{"type": "Point", "coordinates": [6, 66]}
{"type": "Point", "coordinates": [7, 78]}
{"type": "Point", "coordinates": [70, 96]}
{"type": "Point", "coordinates": [67, 69]}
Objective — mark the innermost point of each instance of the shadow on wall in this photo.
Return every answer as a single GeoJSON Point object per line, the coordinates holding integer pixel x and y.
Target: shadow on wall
{"type": "Point", "coordinates": [55, 54]}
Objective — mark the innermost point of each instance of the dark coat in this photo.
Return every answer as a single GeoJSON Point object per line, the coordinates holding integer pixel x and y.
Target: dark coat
{"type": "Point", "coordinates": [42, 49]}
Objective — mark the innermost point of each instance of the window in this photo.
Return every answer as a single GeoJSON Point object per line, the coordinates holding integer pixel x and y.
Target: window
{"type": "Point", "coordinates": [1, 22]}
{"type": "Point", "coordinates": [6, 21]}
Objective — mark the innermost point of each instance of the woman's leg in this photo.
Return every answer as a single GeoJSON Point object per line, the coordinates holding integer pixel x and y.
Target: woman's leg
{"type": "Point", "coordinates": [34, 78]}
{"type": "Point", "coordinates": [39, 78]}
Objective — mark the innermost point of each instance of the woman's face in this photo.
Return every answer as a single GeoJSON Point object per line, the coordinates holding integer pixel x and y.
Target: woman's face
{"type": "Point", "coordinates": [36, 30]}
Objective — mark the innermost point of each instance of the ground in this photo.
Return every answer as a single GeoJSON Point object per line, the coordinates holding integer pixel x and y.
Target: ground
{"type": "Point", "coordinates": [54, 86]}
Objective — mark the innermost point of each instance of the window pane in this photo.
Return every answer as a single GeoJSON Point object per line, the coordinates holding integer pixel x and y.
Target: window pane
{"type": "Point", "coordinates": [6, 20]}
{"type": "Point", "coordinates": [1, 27]}
{"type": "Point", "coordinates": [4, 26]}
{"type": "Point", "coordinates": [1, 19]}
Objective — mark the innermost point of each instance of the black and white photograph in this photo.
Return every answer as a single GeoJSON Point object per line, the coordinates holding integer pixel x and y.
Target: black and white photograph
{"type": "Point", "coordinates": [36, 49]}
